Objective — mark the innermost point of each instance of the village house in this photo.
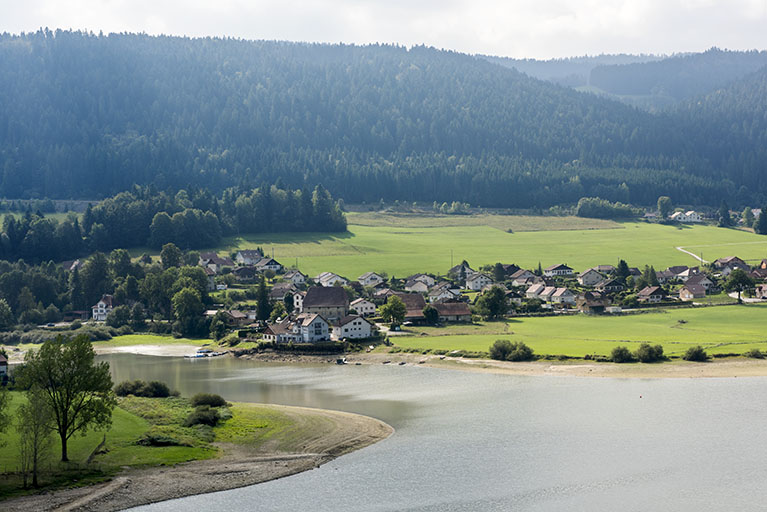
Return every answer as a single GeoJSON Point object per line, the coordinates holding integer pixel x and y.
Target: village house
{"type": "Point", "coordinates": [383, 294]}
{"type": "Point", "coordinates": [761, 292]}
{"type": "Point", "coordinates": [298, 301]}
{"type": "Point", "coordinates": [269, 264]}
{"type": "Point", "coordinates": [306, 328]}
{"type": "Point", "coordinates": [415, 285]}
{"type": "Point", "coordinates": [563, 296]}
{"type": "Point", "coordinates": [477, 281]}
{"type": "Point", "coordinates": [690, 292]}
{"type": "Point", "coordinates": [245, 274]}
{"type": "Point", "coordinates": [248, 257]}
{"type": "Point", "coordinates": [731, 262]}
{"type": "Point", "coordinates": [534, 291]}
{"type": "Point", "coordinates": [521, 275]}
{"type": "Point", "coordinates": [70, 266]}
{"type": "Point", "coordinates": [685, 275]}
{"type": "Point", "coordinates": [443, 291]}
{"type": "Point", "coordinates": [509, 269]}
{"type": "Point", "coordinates": [214, 262]}
{"type": "Point", "coordinates": [688, 216]}
{"type": "Point", "coordinates": [295, 277]}
{"type": "Point", "coordinates": [331, 302]}
{"type": "Point", "coordinates": [370, 279]}
{"type": "Point", "coordinates": [514, 296]}
{"type": "Point", "coordinates": [593, 303]}
{"type": "Point", "coordinates": [758, 274]}
{"type": "Point", "coordinates": [665, 276]}
{"type": "Point", "coordinates": [527, 282]}
{"type": "Point", "coordinates": [3, 368]}
{"type": "Point", "coordinates": [702, 280]}
{"type": "Point", "coordinates": [363, 307]}
{"type": "Point", "coordinates": [236, 318]}
{"type": "Point", "coordinates": [461, 271]}
{"type": "Point", "coordinates": [547, 293]}
{"type": "Point", "coordinates": [328, 279]}
{"type": "Point", "coordinates": [101, 310]}
{"type": "Point", "coordinates": [453, 311]}
{"type": "Point", "coordinates": [352, 327]}
{"type": "Point", "coordinates": [590, 277]}
{"type": "Point", "coordinates": [604, 269]}
{"type": "Point", "coordinates": [651, 294]}
{"type": "Point", "coordinates": [610, 286]}
{"type": "Point", "coordinates": [280, 290]}
{"type": "Point", "coordinates": [424, 278]}
{"type": "Point", "coordinates": [211, 277]}
{"type": "Point", "coordinates": [557, 270]}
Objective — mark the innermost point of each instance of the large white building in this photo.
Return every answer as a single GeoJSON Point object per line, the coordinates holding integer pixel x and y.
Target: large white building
{"type": "Point", "coordinates": [688, 216]}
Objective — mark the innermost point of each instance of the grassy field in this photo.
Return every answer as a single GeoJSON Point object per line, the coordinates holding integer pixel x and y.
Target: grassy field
{"type": "Point", "coordinates": [720, 330]}
{"type": "Point", "coordinates": [249, 425]}
{"type": "Point", "coordinates": [148, 339]}
{"type": "Point", "coordinates": [425, 244]}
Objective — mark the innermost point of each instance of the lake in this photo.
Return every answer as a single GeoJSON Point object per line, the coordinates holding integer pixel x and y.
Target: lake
{"type": "Point", "coordinates": [475, 441]}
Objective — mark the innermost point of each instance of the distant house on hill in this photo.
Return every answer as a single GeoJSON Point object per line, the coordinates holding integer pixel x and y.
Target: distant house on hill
{"type": "Point", "coordinates": [268, 264]}
{"type": "Point", "coordinates": [102, 308]}
{"type": "Point", "coordinates": [330, 279]}
{"type": "Point", "coordinates": [461, 271]}
{"type": "Point", "coordinates": [610, 286]}
{"type": "Point", "coordinates": [477, 281]}
{"type": "Point", "coordinates": [295, 277]}
{"type": "Point", "coordinates": [443, 291]}
{"type": "Point", "coordinates": [306, 328]}
{"type": "Point", "coordinates": [563, 296]}
{"type": "Point", "coordinates": [590, 277]}
{"type": "Point", "coordinates": [688, 216]}
{"type": "Point", "coordinates": [731, 262]}
{"type": "Point", "coordinates": [415, 285]}
{"type": "Point", "coordinates": [248, 257]}
{"type": "Point", "coordinates": [592, 303]}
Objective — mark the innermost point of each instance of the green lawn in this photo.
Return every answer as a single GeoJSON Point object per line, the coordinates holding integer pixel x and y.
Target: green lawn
{"type": "Point", "coordinates": [401, 250]}
{"type": "Point", "coordinates": [148, 339]}
{"type": "Point", "coordinates": [725, 329]}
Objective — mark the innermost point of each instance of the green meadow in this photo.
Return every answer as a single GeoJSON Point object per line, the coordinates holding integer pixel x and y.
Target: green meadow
{"type": "Point", "coordinates": [720, 330]}
{"type": "Point", "coordinates": [402, 245]}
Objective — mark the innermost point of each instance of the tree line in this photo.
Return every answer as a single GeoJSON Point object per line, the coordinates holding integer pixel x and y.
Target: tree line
{"type": "Point", "coordinates": [144, 217]}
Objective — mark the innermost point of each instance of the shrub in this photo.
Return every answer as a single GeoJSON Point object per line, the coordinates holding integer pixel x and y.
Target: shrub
{"type": "Point", "coordinates": [202, 415]}
{"type": "Point", "coordinates": [158, 439]}
{"type": "Point", "coordinates": [76, 324]}
{"type": "Point", "coordinates": [153, 389]}
{"type": "Point", "coordinates": [500, 349]}
{"type": "Point", "coordinates": [646, 353]}
{"type": "Point", "coordinates": [695, 354]}
{"type": "Point", "coordinates": [755, 353]}
{"type": "Point", "coordinates": [208, 399]}
{"type": "Point", "coordinates": [621, 355]}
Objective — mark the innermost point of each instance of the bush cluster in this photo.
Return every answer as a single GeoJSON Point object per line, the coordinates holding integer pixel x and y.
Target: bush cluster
{"type": "Point", "coordinates": [695, 354]}
{"type": "Point", "coordinates": [208, 399]}
{"type": "Point", "coordinates": [153, 389]}
{"type": "Point", "coordinates": [505, 350]}
{"type": "Point", "coordinates": [646, 353]}
{"type": "Point", "coordinates": [202, 415]}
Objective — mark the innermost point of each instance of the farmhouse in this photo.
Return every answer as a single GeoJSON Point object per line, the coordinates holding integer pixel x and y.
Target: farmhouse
{"type": "Point", "coordinates": [453, 312]}
{"type": "Point", "coordinates": [424, 278]}
{"type": "Point", "coordinates": [651, 294]}
{"type": "Point", "coordinates": [370, 279]}
{"type": "Point", "coordinates": [592, 303]}
{"type": "Point", "coordinates": [688, 216]}
{"type": "Point", "coordinates": [245, 274]}
{"type": "Point", "coordinates": [557, 270]}
{"type": "Point", "coordinates": [590, 277]}
{"type": "Point", "coordinates": [295, 277]}
{"type": "Point", "coordinates": [363, 307]}
{"type": "Point", "coordinates": [702, 280]}
{"type": "Point", "coordinates": [604, 269]}
{"type": "Point", "coordinates": [461, 271]}
{"type": "Point", "coordinates": [761, 292]}
{"type": "Point", "coordinates": [235, 318]}
{"type": "Point", "coordinates": [248, 257]}
{"type": "Point", "coordinates": [306, 328]}
{"type": "Point", "coordinates": [414, 304]}
{"type": "Point", "coordinates": [212, 261]}
{"type": "Point", "coordinates": [477, 281]}
{"type": "Point", "coordinates": [547, 293]}
{"type": "Point", "coordinates": [211, 277]}
{"type": "Point", "coordinates": [690, 292]}
{"type": "Point", "coordinates": [331, 302]}
{"type": "Point", "coordinates": [280, 290]}
{"type": "Point", "coordinates": [522, 274]}
{"type": "Point", "coordinates": [352, 327]}
{"type": "Point", "coordinates": [102, 308]}
{"type": "Point", "coordinates": [730, 263]}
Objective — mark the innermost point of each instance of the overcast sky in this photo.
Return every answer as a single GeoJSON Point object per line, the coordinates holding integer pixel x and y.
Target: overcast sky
{"type": "Point", "coordinates": [515, 28]}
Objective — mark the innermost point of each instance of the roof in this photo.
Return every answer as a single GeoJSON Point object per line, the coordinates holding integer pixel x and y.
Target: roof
{"type": "Point", "coordinates": [588, 271]}
{"type": "Point", "coordinates": [414, 303]}
{"type": "Point", "coordinates": [558, 266]}
{"type": "Point", "coordinates": [562, 292]}
{"type": "Point", "coordinates": [267, 261]}
{"type": "Point", "coordinates": [3, 360]}
{"type": "Point", "coordinates": [452, 308]}
{"type": "Point", "coordinates": [106, 299]}
{"type": "Point", "coordinates": [536, 289]}
{"type": "Point", "coordinates": [291, 273]}
{"type": "Point", "coordinates": [549, 290]}
{"type": "Point", "coordinates": [237, 314]}
{"type": "Point", "coordinates": [609, 282]}
{"type": "Point", "coordinates": [350, 318]}
{"type": "Point", "coordinates": [367, 275]}
{"type": "Point", "coordinates": [478, 275]}
{"type": "Point", "coordinates": [307, 319]}
{"type": "Point", "coordinates": [357, 301]}
{"type": "Point", "coordinates": [520, 273]}
{"type": "Point", "coordinates": [250, 253]}
{"type": "Point", "coordinates": [695, 289]}
{"type": "Point", "coordinates": [604, 268]}
{"type": "Point", "coordinates": [326, 296]}
{"type": "Point", "coordinates": [698, 279]}
{"type": "Point", "coordinates": [651, 290]}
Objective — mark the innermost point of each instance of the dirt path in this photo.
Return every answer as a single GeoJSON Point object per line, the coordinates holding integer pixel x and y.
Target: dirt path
{"type": "Point", "coordinates": [700, 260]}
{"type": "Point", "coordinates": [336, 433]}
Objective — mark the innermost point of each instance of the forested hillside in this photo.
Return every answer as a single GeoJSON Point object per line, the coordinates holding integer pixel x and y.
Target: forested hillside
{"type": "Point", "coordinates": [86, 116]}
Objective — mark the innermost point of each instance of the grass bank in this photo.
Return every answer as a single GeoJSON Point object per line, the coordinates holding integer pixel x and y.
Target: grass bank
{"type": "Point", "coordinates": [720, 330]}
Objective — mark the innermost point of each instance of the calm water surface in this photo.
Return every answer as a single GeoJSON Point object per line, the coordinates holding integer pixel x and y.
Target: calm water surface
{"type": "Point", "coordinates": [467, 441]}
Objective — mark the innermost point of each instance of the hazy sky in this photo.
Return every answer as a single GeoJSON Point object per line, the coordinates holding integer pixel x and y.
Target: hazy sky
{"type": "Point", "coordinates": [516, 28]}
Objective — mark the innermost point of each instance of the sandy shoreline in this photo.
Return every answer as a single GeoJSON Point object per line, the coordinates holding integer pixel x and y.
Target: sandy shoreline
{"type": "Point", "coordinates": [238, 467]}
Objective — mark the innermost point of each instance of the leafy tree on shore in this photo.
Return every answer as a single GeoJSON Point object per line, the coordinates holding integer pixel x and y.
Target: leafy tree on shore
{"type": "Point", "coordinates": [76, 389]}
{"type": "Point", "coordinates": [393, 311]}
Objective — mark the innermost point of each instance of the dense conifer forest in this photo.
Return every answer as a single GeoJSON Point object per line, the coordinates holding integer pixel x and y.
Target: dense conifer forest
{"type": "Point", "coordinates": [89, 116]}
